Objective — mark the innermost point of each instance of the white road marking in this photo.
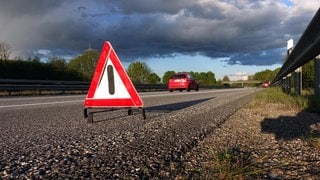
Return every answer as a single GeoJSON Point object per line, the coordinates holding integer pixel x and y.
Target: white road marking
{"type": "Point", "coordinates": [177, 93]}
{"type": "Point", "coordinates": [37, 104]}
{"type": "Point", "coordinates": [142, 95]}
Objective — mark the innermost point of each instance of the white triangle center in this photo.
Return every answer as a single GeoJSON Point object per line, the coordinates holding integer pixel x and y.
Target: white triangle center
{"type": "Point", "coordinates": [102, 91]}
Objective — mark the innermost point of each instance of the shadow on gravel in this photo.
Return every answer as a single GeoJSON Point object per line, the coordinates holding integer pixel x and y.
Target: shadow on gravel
{"type": "Point", "coordinates": [292, 127]}
{"type": "Point", "coordinates": [103, 116]}
{"type": "Point", "coordinates": [167, 108]}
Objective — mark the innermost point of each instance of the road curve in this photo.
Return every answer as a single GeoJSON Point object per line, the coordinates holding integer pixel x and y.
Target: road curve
{"type": "Point", "coordinates": [47, 137]}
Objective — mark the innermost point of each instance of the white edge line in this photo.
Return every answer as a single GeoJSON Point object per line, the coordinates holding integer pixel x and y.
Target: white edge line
{"type": "Point", "coordinates": [37, 104]}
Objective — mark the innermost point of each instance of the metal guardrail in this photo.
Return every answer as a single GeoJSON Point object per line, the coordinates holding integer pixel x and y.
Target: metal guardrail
{"type": "Point", "coordinates": [307, 48]}
{"type": "Point", "coordinates": [43, 82]}
{"type": "Point", "coordinates": [243, 82]}
{"type": "Point", "coordinates": [20, 85]}
{"type": "Point", "coordinates": [23, 86]}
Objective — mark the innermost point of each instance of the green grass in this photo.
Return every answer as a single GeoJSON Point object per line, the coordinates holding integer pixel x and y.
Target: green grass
{"type": "Point", "coordinates": [232, 163]}
{"type": "Point", "coordinates": [275, 95]}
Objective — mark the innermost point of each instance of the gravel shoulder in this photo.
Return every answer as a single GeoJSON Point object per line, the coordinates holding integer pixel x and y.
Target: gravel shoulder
{"type": "Point", "coordinates": [275, 140]}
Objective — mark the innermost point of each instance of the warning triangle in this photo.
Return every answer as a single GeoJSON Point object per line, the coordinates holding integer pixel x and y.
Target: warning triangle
{"type": "Point", "coordinates": [110, 85]}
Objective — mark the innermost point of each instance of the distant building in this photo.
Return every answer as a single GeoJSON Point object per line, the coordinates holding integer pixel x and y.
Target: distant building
{"type": "Point", "coordinates": [237, 76]}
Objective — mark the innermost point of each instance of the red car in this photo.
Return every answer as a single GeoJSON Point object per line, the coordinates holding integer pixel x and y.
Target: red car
{"type": "Point", "coordinates": [182, 81]}
{"type": "Point", "coordinates": [265, 84]}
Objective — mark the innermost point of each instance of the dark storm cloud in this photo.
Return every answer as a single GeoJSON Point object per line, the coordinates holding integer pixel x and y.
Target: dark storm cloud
{"type": "Point", "coordinates": [259, 58]}
{"type": "Point", "coordinates": [38, 24]}
{"type": "Point", "coordinates": [209, 28]}
{"type": "Point", "coordinates": [18, 8]}
{"type": "Point", "coordinates": [246, 31]}
{"type": "Point", "coordinates": [151, 6]}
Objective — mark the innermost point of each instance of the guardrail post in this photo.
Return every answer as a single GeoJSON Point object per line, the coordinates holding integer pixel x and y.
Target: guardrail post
{"type": "Point", "coordinates": [288, 83]}
{"type": "Point", "coordinates": [298, 81]}
{"type": "Point", "coordinates": [288, 78]}
{"type": "Point", "coordinates": [283, 84]}
{"type": "Point", "coordinates": [317, 76]}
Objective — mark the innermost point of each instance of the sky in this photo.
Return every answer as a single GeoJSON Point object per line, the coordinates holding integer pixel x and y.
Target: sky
{"type": "Point", "coordinates": [227, 37]}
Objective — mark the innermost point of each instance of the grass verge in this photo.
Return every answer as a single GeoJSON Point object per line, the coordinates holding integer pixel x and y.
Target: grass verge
{"type": "Point", "coordinates": [232, 163]}
{"type": "Point", "coordinates": [275, 95]}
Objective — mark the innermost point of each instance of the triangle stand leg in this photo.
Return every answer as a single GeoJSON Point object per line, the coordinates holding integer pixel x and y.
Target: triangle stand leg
{"type": "Point", "coordinates": [89, 115]}
{"type": "Point", "coordinates": [144, 113]}
{"type": "Point", "coordinates": [130, 112]}
{"type": "Point", "coordinates": [85, 112]}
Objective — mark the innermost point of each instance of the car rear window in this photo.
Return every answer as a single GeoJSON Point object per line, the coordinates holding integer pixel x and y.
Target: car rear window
{"type": "Point", "coordinates": [178, 76]}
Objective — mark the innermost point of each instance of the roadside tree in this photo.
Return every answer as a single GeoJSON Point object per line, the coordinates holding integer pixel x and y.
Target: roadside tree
{"type": "Point", "coordinates": [138, 72]}
{"type": "Point", "coordinates": [85, 64]}
{"type": "Point", "coordinates": [308, 75]}
{"type": "Point", "coordinates": [225, 78]}
{"type": "Point", "coordinates": [211, 79]}
{"type": "Point", "coordinates": [153, 78]}
{"type": "Point", "coordinates": [166, 76]}
{"type": "Point", "coordinates": [5, 51]}
{"type": "Point", "coordinates": [265, 75]}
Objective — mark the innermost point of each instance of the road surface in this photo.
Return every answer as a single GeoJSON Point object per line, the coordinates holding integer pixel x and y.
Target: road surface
{"type": "Point", "coordinates": [48, 137]}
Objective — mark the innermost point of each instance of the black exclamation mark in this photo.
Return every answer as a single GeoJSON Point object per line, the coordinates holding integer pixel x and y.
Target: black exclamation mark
{"type": "Point", "coordinates": [110, 79]}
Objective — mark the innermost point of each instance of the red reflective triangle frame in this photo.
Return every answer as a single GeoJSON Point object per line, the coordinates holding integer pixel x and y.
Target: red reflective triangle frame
{"type": "Point", "coordinates": [106, 54]}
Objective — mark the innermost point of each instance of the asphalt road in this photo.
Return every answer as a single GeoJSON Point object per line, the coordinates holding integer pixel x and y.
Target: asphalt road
{"type": "Point", "coordinates": [48, 137]}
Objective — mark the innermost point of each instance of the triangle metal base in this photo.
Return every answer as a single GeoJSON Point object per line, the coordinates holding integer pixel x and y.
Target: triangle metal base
{"type": "Point", "coordinates": [89, 115]}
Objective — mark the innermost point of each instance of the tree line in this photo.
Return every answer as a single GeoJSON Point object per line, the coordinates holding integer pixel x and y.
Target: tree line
{"type": "Point", "coordinates": [308, 75]}
{"type": "Point", "coordinates": [34, 69]}
{"type": "Point", "coordinates": [140, 73]}
{"type": "Point", "coordinates": [82, 67]}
